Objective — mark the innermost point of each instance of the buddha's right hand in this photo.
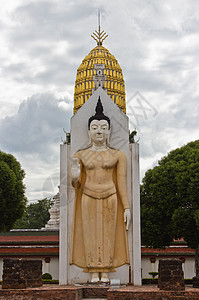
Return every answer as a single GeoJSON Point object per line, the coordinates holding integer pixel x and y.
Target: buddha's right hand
{"type": "Point", "coordinates": [75, 169]}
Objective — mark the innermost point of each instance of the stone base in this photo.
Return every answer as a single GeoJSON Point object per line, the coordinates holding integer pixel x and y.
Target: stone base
{"type": "Point", "coordinates": [95, 291]}
{"type": "Point", "coordinates": [148, 293]}
{"type": "Point", "coordinates": [42, 293]}
{"type": "Point", "coordinates": [195, 282]}
{"type": "Point", "coordinates": [56, 292]}
{"type": "Point", "coordinates": [170, 275]}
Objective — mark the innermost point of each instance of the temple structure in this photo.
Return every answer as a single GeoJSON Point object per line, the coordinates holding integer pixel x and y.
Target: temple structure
{"type": "Point", "coordinates": [53, 222]}
{"type": "Point", "coordinates": [99, 76]}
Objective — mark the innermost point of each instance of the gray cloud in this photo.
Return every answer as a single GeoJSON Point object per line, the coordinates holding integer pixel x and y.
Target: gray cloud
{"type": "Point", "coordinates": [33, 135]}
{"type": "Point", "coordinates": [156, 44]}
{"type": "Point", "coordinates": [36, 126]}
{"type": "Point", "coordinates": [39, 28]}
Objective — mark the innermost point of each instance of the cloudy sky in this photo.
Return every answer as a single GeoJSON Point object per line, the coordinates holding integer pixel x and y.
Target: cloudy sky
{"type": "Point", "coordinates": [156, 43]}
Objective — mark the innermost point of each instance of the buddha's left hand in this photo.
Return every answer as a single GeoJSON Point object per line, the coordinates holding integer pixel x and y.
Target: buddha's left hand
{"type": "Point", "coordinates": [127, 217]}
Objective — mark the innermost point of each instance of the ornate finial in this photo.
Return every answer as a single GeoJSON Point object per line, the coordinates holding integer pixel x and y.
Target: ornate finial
{"type": "Point", "coordinates": [99, 114]}
{"type": "Point", "coordinates": [99, 108]}
{"type": "Point", "coordinates": [99, 36]}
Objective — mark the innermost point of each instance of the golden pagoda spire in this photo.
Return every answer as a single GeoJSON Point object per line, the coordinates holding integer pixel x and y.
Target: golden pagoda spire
{"type": "Point", "coordinates": [99, 36]}
{"type": "Point", "coordinates": [99, 68]}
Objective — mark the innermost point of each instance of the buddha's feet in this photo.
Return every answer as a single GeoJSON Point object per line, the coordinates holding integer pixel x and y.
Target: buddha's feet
{"type": "Point", "coordinates": [94, 277]}
{"type": "Point", "coordinates": [104, 277]}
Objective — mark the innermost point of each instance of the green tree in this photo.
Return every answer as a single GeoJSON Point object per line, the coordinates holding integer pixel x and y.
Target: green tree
{"type": "Point", "coordinates": [170, 200]}
{"type": "Point", "coordinates": [36, 215]}
{"type": "Point", "coordinates": [12, 191]}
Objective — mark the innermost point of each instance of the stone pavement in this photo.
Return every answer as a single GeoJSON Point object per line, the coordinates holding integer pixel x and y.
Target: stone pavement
{"type": "Point", "coordinates": [56, 292]}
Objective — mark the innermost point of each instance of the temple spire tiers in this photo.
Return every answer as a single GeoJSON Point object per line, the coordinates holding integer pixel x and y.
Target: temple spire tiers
{"type": "Point", "coordinates": [100, 78]}
{"type": "Point", "coordinates": [99, 69]}
{"type": "Point", "coordinates": [54, 211]}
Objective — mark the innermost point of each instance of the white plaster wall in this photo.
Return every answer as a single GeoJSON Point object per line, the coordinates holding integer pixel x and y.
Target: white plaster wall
{"type": "Point", "coordinates": [52, 267]}
{"type": "Point", "coordinates": [147, 267]}
{"type": "Point", "coordinates": [63, 230]}
{"type": "Point", "coordinates": [189, 267]}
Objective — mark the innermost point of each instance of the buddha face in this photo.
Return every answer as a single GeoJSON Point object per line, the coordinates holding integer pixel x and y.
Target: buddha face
{"type": "Point", "coordinates": [99, 132]}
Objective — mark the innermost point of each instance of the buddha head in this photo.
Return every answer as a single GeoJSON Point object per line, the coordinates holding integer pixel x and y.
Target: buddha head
{"type": "Point", "coordinates": [99, 127]}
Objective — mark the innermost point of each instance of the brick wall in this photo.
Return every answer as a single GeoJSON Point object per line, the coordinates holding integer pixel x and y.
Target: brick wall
{"type": "Point", "coordinates": [170, 275]}
{"type": "Point", "coordinates": [20, 274]}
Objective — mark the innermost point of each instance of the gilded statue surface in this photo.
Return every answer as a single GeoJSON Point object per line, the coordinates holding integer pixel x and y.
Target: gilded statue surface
{"type": "Point", "coordinates": [101, 211]}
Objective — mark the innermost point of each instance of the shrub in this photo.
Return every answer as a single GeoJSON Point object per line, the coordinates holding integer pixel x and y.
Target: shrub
{"type": "Point", "coordinates": [153, 274]}
{"type": "Point", "coordinates": [47, 276]}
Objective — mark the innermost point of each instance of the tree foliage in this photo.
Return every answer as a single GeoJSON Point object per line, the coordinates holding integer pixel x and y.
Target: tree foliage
{"type": "Point", "coordinates": [170, 199]}
{"type": "Point", "coordinates": [36, 215]}
{"type": "Point", "coordinates": [12, 191]}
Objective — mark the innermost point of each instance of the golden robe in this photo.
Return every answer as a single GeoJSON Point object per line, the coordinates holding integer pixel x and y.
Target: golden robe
{"type": "Point", "coordinates": [99, 240]}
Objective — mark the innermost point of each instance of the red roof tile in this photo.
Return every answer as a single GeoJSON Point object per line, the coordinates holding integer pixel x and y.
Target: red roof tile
{"type": "Point", "coordinates": [167, 250]}
{"type": "Point", "coordinates": [41, 238]}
